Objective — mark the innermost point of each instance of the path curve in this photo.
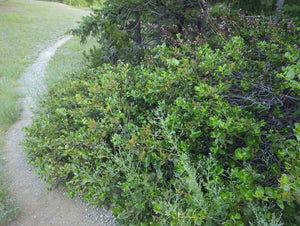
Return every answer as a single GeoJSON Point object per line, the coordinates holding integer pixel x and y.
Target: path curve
{"type": "Point", "coordinates": [37, 206]}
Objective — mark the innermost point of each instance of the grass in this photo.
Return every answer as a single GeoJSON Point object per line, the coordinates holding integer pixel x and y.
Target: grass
{"type": "Point", "coordinates": [26, 28]}
{"type": "Point", "coordinates": [8, 206]}
{"type": "Point", "coordinates": [68, 58]}
{"type": "Point", "coordinates": [9, 111]}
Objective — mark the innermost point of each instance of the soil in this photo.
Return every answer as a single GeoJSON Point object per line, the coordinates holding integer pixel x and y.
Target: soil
{"type": "Point", "coordinates": [39, 207]}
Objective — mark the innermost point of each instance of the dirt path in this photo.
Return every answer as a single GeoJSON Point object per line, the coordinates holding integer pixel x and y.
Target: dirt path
{"type": "Point", "coordinates": [38, 207]}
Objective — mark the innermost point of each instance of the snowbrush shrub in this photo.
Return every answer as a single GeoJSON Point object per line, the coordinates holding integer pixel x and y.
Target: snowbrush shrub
{"type": "Point", "coordinates": [173, 141]}
{"type": "Point", "coordinates": [203, 131]}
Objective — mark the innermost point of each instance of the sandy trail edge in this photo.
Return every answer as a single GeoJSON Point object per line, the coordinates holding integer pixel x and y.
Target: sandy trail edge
{"type": "Point", "coordinates": [38, 207]}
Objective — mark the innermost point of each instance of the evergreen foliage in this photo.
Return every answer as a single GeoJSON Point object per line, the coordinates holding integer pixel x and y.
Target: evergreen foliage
{"type": "Point", "coordinates": [125, 29]}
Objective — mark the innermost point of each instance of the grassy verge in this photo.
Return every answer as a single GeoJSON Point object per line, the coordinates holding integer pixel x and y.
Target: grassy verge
{"type": "Point", "coordinates": [68, 58]}
{"type": "Point", "coordinates": [26, 27]}
{"type": "Point", "coordinates": [8, 207]}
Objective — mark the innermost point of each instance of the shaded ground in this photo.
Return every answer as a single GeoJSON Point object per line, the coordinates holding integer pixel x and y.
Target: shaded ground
{"type": "Point", "coordinates": [38, 207]}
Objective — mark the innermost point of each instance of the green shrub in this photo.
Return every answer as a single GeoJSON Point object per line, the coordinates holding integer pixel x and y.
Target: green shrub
{"type": "Point", "coordinates": [202, 131]}
{"type": "Point", "coordinates": [169, 142]}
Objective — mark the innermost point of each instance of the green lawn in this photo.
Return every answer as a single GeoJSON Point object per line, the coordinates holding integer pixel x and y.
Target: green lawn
{"type": "Point", "coordinates": [26, 28]}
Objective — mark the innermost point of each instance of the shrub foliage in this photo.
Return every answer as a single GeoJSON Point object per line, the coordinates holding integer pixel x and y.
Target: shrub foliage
{"type": "Point", "coordinates": [199, 132]}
